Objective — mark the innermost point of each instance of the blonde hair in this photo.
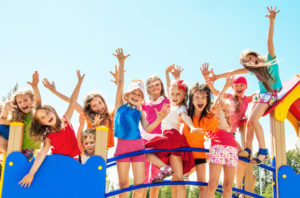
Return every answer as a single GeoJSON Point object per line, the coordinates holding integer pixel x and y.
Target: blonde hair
{"type": "Point", "coordinates": [88, 133]}
{"type": "Point", "coordinates": [178, 83]}
{"type": "Point", "coordinates": [152, 79]}
{"type": "Point", "coordinates": [18, 115]}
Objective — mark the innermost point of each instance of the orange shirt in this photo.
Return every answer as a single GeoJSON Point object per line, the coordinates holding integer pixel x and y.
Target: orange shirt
{"type": "Point", "coordinates": [208, 123]}
{"type": "Point", "coordinates": [110, 139]}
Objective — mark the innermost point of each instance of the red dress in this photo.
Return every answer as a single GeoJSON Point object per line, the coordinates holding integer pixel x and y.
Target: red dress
{"type": "Point", "coordinates": [172, 139]}
{"type": "Point", "coordinates": [64, 141]}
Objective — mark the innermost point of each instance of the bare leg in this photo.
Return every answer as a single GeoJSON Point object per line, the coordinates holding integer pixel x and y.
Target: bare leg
{"type": "Point", "coordinates": [258, 112]}
{"type": "Point", "coordinates": [138, 169]}
{"type": "Point", "coordinates": [123, 173]}
{"type": "Point", "coordinates": [240, 173]}
{"type": "Point", "coordinates": [214, 176]}
{"type": "Point", "coordinates": [228, 181]}
{"type": "Point", "coordinates": [177, 166]}
{"type": "Point", "coordinates": [147, 171]}
{"type": "Point", "coordinates": [201, 177]}
{"type": "Point", "coordinates": [155, 160]}
{"type": "Point", "coordinates": [249, 129]}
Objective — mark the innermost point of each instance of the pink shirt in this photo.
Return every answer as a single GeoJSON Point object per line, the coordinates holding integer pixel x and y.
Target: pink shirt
{"type": "Point", "coordinates": [222, 137]}
{"type": "Point", "coordinates": [236, 118]}
{"type": "Point", "coordinates": [149, 110]}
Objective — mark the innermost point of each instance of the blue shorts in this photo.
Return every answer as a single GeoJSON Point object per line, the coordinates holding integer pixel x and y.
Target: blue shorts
{"type": "Point", "coordinates": [4, 131]}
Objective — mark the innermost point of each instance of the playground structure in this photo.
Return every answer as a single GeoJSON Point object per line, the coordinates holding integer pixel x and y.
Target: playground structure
{"type": "Point", "coordinates": [62, 176]}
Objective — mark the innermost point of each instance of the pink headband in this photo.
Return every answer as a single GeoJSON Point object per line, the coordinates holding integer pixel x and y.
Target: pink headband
{"type": "Point", "coordinates": [240, 79]}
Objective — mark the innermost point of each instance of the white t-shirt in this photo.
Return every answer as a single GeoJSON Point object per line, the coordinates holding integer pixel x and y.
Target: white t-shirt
{"type": "Point", "coordinates": [172, 120]}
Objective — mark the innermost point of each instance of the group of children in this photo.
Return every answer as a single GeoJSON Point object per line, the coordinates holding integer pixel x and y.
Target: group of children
{"type": "Point", "coordinates": [156, 124]}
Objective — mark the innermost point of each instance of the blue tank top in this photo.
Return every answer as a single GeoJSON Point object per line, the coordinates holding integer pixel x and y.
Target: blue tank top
{"type": "Point", "coordinates": [127, 119]}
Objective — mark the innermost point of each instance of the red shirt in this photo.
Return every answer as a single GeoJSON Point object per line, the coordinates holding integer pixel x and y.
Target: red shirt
{"type": "Point", "coordinates": [64, 141]}
{"type": "Point", "coordinates": [222, 137]}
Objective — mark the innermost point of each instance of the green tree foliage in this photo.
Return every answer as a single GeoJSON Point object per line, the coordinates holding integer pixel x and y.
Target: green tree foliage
{"type": "Point", "coordinates": [293, 159]}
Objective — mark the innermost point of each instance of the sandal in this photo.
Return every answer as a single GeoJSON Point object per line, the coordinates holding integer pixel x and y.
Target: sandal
{"type": "Point", "coordinates": [163, 173]}
{"type": "Point", "coordinates": [245, 153]}
{"type": "Point", "coordinates": [263, 152]}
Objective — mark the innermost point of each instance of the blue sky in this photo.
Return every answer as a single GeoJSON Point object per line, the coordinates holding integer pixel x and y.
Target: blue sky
{"type": "Point", "coordinates": [57, 37]}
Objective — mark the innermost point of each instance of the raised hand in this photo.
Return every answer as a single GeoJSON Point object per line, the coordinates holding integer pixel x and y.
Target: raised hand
{"type": "Point", "coordinates": [176, 72]}
{"type": "Point", "coordinates": [48, 85]}
{"type": "Point", "coordinates": [163, 112]}
{"type": "Point", "coordinates": [26, 181]}
{"type": "Point", "coordinates": [272, 13]}
{"type": "Point", "coordinates": [170, 68]}
{"type": "Point", "coordinates": [115, 75]}
{"type": "Point", "coordinates": [79, 76]}
{"type": "Point", "coordinates": [35, 79]}
{"type": "Point", "coordinates": [229, 79]}
{"type": "Point", "coordinates": [97, 120]}
{"type": "Point", "coordinates": [206, 72]}
{"type": "Point", "coordinates": [120, 56]}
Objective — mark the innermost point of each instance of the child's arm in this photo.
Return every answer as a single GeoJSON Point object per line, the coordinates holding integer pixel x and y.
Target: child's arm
{"type": "Point", "coordinates": [205, 73]}
{"type": "Point", "coordinates": [74, 96]}
{"type": "Point", "coordinates": [8, 106]}
{"type": "Point", "coordinates": [160, 115]}
{"type": "Point", "coordinates": [26, 181]}
{"type": "Point", "coordinates": [228, 84]}
{"type": "Point", "coordinates": [34, 85]}
{"type": "Point", "coordinates": [188, 121]}
{"type": "Point", "coordinates": [119, 96]}
{"type": "Point", "coordinates": [168, 82]}
{"type": "Point", "coordinates": [271, 16]}
{"type": "Point", "coordinates": [51, 87]}
{"type": "Point", "coordinates": [80, 130]}
{"type": "Point", "coordinates": [233, 72]}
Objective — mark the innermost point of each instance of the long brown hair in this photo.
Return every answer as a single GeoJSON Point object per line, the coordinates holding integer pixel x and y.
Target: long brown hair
{"type": "Point", "coordinates": [38, 130]}
{"type": "Point", "coordinates": [199, 88]}
{"type": "Point", "coordinates": [261, 73]}
{"type": "Point", "coordinates": [91, 114]}
{"type": "Point", "coordinates": [17, 114]}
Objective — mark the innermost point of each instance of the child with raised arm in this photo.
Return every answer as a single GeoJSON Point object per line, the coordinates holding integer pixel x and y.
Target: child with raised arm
{"type": "Point", "coordinates": [20, 109]}
{"type": "Point", "coordinates": [94, 110]}
{"type": "Point", "coordinates": [199, 110]}
{"type": "Point", "coordinates": [266, 71]}
{"type": "Point", "coordinates": [127, 119]}
{"type": "Point", "coordinates": [54, 131]}
{"type": "Point", "coordinates": [177, 162]}
{"type": "Point", "coordinates": [223, 153]}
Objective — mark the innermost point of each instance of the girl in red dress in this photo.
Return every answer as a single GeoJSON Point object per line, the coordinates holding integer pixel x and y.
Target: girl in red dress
{"type": "Point", "coordinates": [177, 162]}
{"type": "Point", "coordinates": [54, 131]}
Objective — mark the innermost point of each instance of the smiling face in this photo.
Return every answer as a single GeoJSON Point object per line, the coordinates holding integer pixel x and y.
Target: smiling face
{"type": "Point", "coordinates": [239, 89]}
{"type": "Point", "coordinates": [135, 97]}
{"type": "Point", "coordinates": [176, 96]}
{"type": "Point", "coordinates": [199, 101]}
{"type": "Point", "coordinates": [252, 59]}
{"type": "Point", "coordinates": [46, 117]}
{"type": "Point", "coordinates": [97, 105]}
{"type": "Point", "coordinates": [24, 102]}
{"type": "Point", "coordinates": [89, 144]}
{"type": "Point", "coordinates": [155, 89]}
